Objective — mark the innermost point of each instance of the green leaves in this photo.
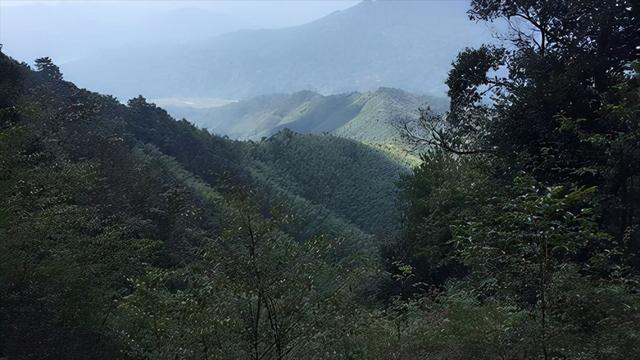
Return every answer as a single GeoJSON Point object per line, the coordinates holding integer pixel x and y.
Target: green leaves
{"type": "Point", "coordinates": [252, 292]}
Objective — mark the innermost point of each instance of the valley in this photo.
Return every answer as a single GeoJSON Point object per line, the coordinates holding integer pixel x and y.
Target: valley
{"type": "Point", "coordinates": [372, 118]}
{"type": "Point", "coordinates": [320, 180]}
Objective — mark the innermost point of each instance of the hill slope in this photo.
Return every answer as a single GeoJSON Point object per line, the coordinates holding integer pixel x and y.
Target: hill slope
{"type": "Point", "coordinates": [369, 117]}
{"type": "Point", "coordinates": [113, 216]}
{"type": "Point", "coordinates": [381, 43]}
{"type": "Point", "coordinates": [353, 181]}
{"type": "Point", "coordinates": [218, 161]}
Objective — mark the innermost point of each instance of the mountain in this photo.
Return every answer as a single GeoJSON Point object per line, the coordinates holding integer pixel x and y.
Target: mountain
{"type": "Point", "coordinates": [374, 44]}
{"type": "Point", "coordinates": [100, 196]}
{"type": "Point", "coordinates": [369, 117]}
{"type": "Point", "coordinates": [351, 180]}
{"type": "Point", "coordinates": [321, 176]}
{"type": "Point", "coordinates": [125, 234]}
{"type": "Point", "coordinates": [108, 210]}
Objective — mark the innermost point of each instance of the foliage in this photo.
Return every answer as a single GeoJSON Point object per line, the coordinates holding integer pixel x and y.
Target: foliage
{"type": "Point", "coordinates": [50, 70]}
{"type": "Point", "coordinates": [126, 234]}
{"type": "Point", "coordinates": [437, 193]}
{"type": "Point", "coordinates": [335, 173]}
{"type": "Point", "coordinates": [252, 293]}
{"type": "Point", "coordinates": [122, 237]}
{"type": "Point", "coordinates": [521, 219]}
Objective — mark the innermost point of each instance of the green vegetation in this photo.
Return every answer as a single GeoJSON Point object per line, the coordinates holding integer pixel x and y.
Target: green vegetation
{"type": "Point", "coordinates": [522, 221]}
{"type": "Point", "coordinates": [264, 115]}
{"type": "Point", "coordinates": [370, 117]}
{"type": "Point", "coordinates": [351, 180]}
{"type": "Point", "coordinates": [126, 234]}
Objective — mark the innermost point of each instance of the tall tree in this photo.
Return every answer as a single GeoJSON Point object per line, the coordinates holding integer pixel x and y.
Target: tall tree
{"type": "Point", "coordinates": [549, 101]}
{"type": "Point", "coordinates": [46, 66]}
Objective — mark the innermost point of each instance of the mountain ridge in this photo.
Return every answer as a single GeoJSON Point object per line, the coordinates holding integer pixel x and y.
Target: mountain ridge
{"type": "Point", "coordinates": [368, 117]}
{"type": "Point", "coordinates": [356, 49]}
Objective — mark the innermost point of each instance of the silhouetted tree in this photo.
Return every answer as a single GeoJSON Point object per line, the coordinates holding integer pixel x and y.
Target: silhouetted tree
{"type": "Point", "coordinates": [46, 66]}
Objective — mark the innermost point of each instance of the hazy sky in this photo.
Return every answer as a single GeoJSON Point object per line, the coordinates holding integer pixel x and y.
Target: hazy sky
{"type": "Point", "coordinates": [276, 13]}
{"type": "Point", "coordinates": [67, 30]}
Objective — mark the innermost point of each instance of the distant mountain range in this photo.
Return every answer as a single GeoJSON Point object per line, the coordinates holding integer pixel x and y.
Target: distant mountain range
{"type": "Point", "coordinates": [401, 44]}
{"type": "Point", "coordinates": [369, 117]}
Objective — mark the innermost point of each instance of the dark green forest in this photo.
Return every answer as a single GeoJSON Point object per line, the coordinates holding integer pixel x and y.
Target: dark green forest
{"type": "Point", "coordinates": [127, 234]}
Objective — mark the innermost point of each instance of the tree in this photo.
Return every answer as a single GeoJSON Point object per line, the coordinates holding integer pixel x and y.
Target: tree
{"type": "Point", "coordinates": [548, 102]}
{"type": "Point", "coordinates": [254, 293]}
{"type": "Point", "coordinates": [50, 70]}
{"type": "Point", "coordinates": [550, 119]}
{"type": "Point", "coordinates": [439, 193]}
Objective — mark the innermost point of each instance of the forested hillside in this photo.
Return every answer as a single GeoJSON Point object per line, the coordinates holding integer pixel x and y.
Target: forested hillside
{"type": "Point", "coordinates": [352, 180]}
{"type": "Point", "coordinates": [125, 234]}
{"type": "Point", "coordinates": [124, 193]}
{"type": "Point", "coordinates": [261, 116]}
{"type": "Point", "coordinates": [370, 117]}
{"type": "Point", "coordinates": [119, 223]}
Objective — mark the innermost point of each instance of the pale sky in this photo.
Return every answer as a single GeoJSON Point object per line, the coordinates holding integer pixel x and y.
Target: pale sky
{"type": "Point", "coordinates": [67, 30]}
{"type": "Point", "coordinates": [287, 12]}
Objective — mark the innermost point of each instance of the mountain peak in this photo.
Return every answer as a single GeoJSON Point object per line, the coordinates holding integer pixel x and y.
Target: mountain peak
{"type": "Point", "coordinates": [355, 49]}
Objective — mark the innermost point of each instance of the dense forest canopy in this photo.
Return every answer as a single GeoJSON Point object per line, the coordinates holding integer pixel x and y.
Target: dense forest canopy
{"type": "Point", "coordinates": [127, 234]}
